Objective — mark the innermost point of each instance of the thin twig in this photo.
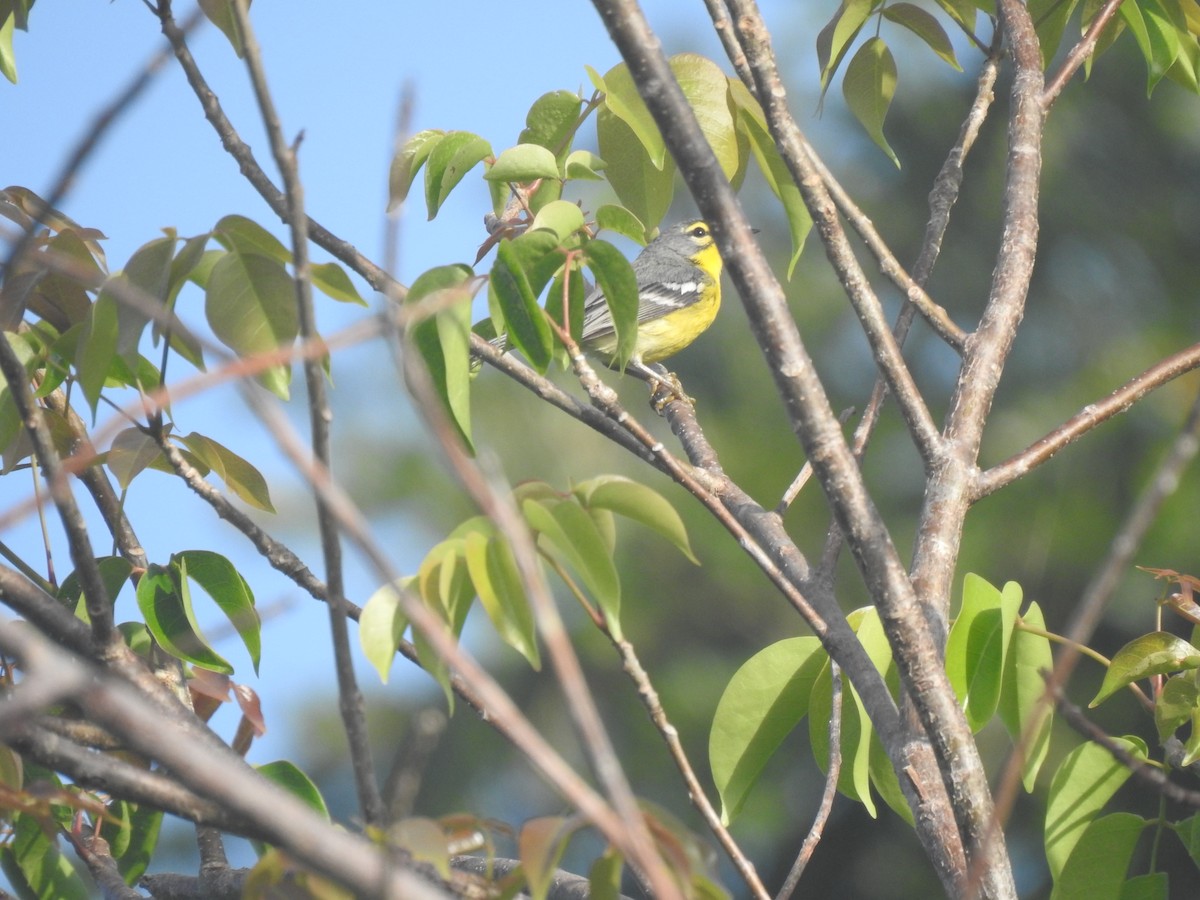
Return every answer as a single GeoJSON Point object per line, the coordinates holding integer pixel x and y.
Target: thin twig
{"type": "Point", "coordinates": [1079, 53]}
{"type": "Point", "coordinates": [1085, 420]}
{"type": "Point", "coordinates": [350, 699]}
{"type": "Point", "coordinates": [1103, 585]}
{"type": "Point", "coordinates": [827, 794]}
{"type": "Point", "coordinates": [670, 735]}
{"type": "Point", "coordinates": [1141, 769]}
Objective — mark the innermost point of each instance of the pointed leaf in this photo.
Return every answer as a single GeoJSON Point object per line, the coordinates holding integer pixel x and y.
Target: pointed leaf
{"type": "Point", "coordinates": [239, 234]}
{"type": "Point", "coordinates": [838, 34]}
{"type": "Point", "coordinates": [621, 221]}
{"type": "Point", "coordinates": [706, 88]}
{"type": "Point", "coordinates": [332, 280]}
{"type": "Point", "coordinates": [250, 303]}
{"type": "Point", "coordinates": [1084, 781]}
{"type": "Point", "coordinates": [644, 188]}
{"type": "Point", "coordinates": [774, 169]}
{"type": "Point", "coordinates": [552, 120]}
{"type": "Point", "coordinates": [762, 704]}
{"type": "Point", "coordinates": [381, 628]}
{"type": "Point", "coordinates": [625, 104]}
{"type": "Point", "coordinates": [289, 777]}
{"type": "Point", "coordinates": [614, 276]}
{"type": "Point", "coordinates": [443, 339]}
{"type": "Point", "coordinates": [498, 582]}
{"type": "Point", "coordinates": [98, 348]}
{"type": "Point", "coordinates": [219, 579]}
{"type": "Point", "coordinates": [522, 164]}
{"type": "Point", "coordinates": [924, 26]}
{"type": "Point", "coordinates": [978, 641]}
{"type": "Point", "coordinates": [1098, 863]}
{"type": "Point", "coordinates": [165, 602]}
{"type": "Point", "coordinates": [407, 162]}
{"type": "Point", "coordinates": [527, 327]}
{"type": "Point", "coordinates": [868, 86]}
{"type": "Point", "coordinates": [1021, 706]}
{"type": "Point", "coordinates": [568, 534]}
{"type": "Point", "coordinates": [450, 159]}
{"type": "Point", "coordinates": [636, 501]}
{"type": "Point", "coordinates": [1157, 653]}
{"type": "Point", "coordinates": [540, 846]}
{"type": "Point", "coordinates": [238, 474]}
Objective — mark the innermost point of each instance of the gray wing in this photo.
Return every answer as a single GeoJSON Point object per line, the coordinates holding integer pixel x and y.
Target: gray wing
{"type": "Point", "coordinates": [655, 299]}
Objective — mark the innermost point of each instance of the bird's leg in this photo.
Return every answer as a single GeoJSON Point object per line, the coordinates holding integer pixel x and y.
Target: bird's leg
{"type": "Point", "coordinates": [665, 385]}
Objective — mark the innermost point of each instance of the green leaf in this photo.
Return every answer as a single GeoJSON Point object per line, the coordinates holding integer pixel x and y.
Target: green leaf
{"type": "Point", "coordinates": [1178, 701]}
{"type": "Point", "coordinates": [114, 572]}
{"type": "Point", "coordinates": [636, 501]}
{"type": "Point", "coordinates": [35, 867]}
{"type": "Point", "coordinates": [1164, 42]}
{"type": "Point", "coordinates": [332, 280]}
{"type": "Point", "coordinates": [644, 188]}
{"type": "Point", "coordinates": [450, 159]}
{"type": "Point", "coordinates": [857, 732]}
{"type": "Point", "coordinates": [425, 840]}
{"type": "Point", "coordinates": [165, 602]}
{"type": "Point", "coordinates": [584, 165]}
{"type": "Point", "coordinates": [1084, 781]}
{"type": "Point", "coordinates": [962, 11]}
{"type": "Point", "coordinates": [522, 164]}
{"type": "Point", "coordinates": [381, 628]}
{"type": "Point", "coordinates": [838, 34]}
{"type": "Point", "coordinates": [762, 704]}
{"type": "Point", "coordinates": [568, 534]}
{"type": "Point", "coordinates": [289, 777]}
{"type": "Point", "coordinates": [8, 59]}
{"type": "Point", "coordinates": [527, 326]}
{"type": "Point", "coordinates": [559, 217]}
{"type": "Point", "coordinates": [706, 88]}
{"type": "Point", "coordinates": [1152, 886]}
{"type": "Point", "coordinates": [132, 837]}
{"type": "Point", "coordinates": [1100, 859]}
{"type": "Point", "coordinates": [220, 13]}
{"type": "Point", "coordinates": [924, 26]}
{"type": "Point", "coordinates": [1050, 17]}
{"type": "Point", "coordinates": [868, 86]}
{"type": "Point", "coordinates": [222, 582]}
{"type": "Point", "coordinates": [1021, 708]}
{"type": "Point", "coordinates": [250, 303]}
{"type": "Point", "coordinates": [97, 348]}
{"type": "Point", "coordinates": [621, 221]}
{"type": "Point", "coordinates": [443, 339]}
{"type": "Point", "coordinates": [238, 474]}
{"type": "Point", "coordinates": [540, 845]}
{"type": "Point", "coordinates": [575, 295]}
{"type": "Point", "coordinates": [614, 276]}
{"type": "Point", "coordinates": [623, 102]}
{"type": "Point", "coordinates": [1188, 832]}
{"type": "Point", "coordinates": [977, 646]}
{"type": "Point", "coordinates": [1157, 653]}
{"type": "Point", "coordinates": [407, 162]}
{"type": "Point", "coordinates": [604, 879]}
{"type": "Point", "coordinates": [552, 120]}
{"type": "Point", "coordinates": [774, 169]}
{"type": "Point", "coordinates": [498, 582]}
{"type": "Point", "coordinates": [241, 235]}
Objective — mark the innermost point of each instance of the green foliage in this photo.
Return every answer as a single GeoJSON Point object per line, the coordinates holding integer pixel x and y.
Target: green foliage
{"type": "Point", "coordinates": [575, 534]}
{"type": "Point", "coordinates": [289, 777]}
{"type": "Point", "coordinates": [164, 597]}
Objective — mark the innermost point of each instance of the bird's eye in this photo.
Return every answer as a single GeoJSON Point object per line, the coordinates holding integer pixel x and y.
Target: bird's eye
{"type": "Point", "coordinates": [699, 232]}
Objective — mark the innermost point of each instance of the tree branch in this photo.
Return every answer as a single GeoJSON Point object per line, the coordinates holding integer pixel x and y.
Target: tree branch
{"type": "Point", "coordinates": [350, 699]}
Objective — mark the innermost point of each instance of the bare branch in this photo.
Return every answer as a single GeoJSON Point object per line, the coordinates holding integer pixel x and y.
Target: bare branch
{"type": "Point", "coordinates": [214, 771]}
{"type": "Point", "coordinates": [1085, 420]}
{"type": "Point", "coordinates": [350, 699]}
{"type": "Point", "coordinates": [827, 794]}
{"type": "Point", "coordinates": [1079, 53]}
